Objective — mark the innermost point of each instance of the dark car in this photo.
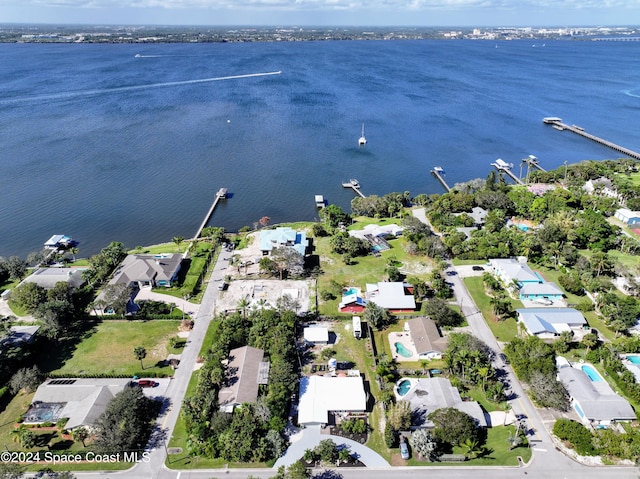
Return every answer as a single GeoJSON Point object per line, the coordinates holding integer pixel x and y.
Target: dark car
{"type": "Point", "coordinates": [147, 383]}
{"type": "Point", "coordinates": [477, 268]}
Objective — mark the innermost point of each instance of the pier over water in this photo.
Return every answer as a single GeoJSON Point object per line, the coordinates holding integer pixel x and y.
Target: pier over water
{"type": "Point", "coordinates": [558, 125]}
{"type": "Point", "coordinates": [221, 194]}
{"type": "Point", "coordinates": [438, 172]}
{"type": "Point", "coordinates": [354, 185]}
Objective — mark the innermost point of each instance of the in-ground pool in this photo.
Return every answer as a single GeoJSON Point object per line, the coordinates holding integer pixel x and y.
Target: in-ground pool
{"type": "Point", "coordinates": [402, 351]}
{"type": "Point", "coordinates": [634, 358]}
{"type": "Point", "coordinates": [403, 387]}
{"type": "Point", "coordinates": [592, 373]}
{"type": "Point", "coordinates": [349, 291]}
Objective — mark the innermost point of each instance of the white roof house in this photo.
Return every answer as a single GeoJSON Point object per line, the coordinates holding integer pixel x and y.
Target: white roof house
{"type": "Point", "coordinates": [595, 402]}
{"type": "Point", "coordinates": [49, 277]}
{"type": "Point", "coordinates": [322, 395]}
{"type": "Point", "coordinates": [377, 230]}
{"type": "Point", "coordinates": [509, 270]}
{"type": "Point", "coordinates": [550, 322]}
{"type": "Point", "coordinates": [316, 334]}
{"type": "Point", "coordinates": [391, 295]}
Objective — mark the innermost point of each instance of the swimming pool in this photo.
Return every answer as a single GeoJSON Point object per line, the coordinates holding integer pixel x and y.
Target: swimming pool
{"type": "Point", "coordinates": [634, 358]}
{"type": "Point", "coordinates": [349, 291]}
{"type": "Point", "coordinates": [402, 351]}
{"type": "Point", "coordinates": [592, 373]}
{"type": "Point", "coordinates": [403, 387]}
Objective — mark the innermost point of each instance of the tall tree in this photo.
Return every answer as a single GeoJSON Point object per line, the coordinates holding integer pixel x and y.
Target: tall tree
{"type": "Point", "coordinates": [140, 353]}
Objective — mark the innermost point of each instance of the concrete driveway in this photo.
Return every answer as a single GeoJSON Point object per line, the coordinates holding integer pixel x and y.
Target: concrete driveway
{"type": "Point", "coordinates": [311, 436]}
{"type": "Point", "coordinates": [190, 308]}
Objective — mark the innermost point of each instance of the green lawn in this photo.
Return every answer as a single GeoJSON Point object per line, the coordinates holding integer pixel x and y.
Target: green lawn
{"type": "Point", "coordinates": [504, 331]}
{"type": "Point", "coordinates": [366, 269]}
{"type": "Point", "coordinates": [108, 349]}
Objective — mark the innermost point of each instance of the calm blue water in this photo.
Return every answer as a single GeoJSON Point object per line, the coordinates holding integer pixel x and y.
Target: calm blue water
{"type": "Point", "coordinates": [402, 351]}
{"type": "Point", "coordinates": [633, 358]}
{"type": "Point", "coordinates": [102, 146]}
{"type": "Point", "coordinates": [592, 373]}
{"type": "Point", "coordinates": [403, 387]}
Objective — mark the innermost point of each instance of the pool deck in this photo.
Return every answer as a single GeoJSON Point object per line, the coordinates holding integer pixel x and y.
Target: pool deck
{"type": "Point", "coordinates": [405, 339]}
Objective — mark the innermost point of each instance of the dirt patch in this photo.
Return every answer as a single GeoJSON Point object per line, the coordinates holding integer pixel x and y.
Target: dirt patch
{"type": "Point", "coordinates": [263, 293]}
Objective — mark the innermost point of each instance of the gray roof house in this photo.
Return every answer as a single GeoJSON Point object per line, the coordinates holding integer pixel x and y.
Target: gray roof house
{"type": "Point", "coordinates": [426, 395]}
{"type": "Point", "coordinates": [594, 401]}
{"type": "Point", "coordinates": [550, 322]}
{"type": "Point", "coordinates": [148, 270]}
{"type": "Point", "coordinates": [246, 370]}
{"type": "Point", "coordinates": [509, 270]}
{"type": "Point", "coordinates": [49, 277]}
{"type": "Point", "coordinates": [394, 296]}
{"type": "Point", "coordinates": [80, 400]}
{"type": "Point", "coordinates": [426, 338]}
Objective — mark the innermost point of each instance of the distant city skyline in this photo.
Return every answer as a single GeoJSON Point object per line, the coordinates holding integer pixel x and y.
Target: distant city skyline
{"type": "Point", "coordinates": [463, 13]}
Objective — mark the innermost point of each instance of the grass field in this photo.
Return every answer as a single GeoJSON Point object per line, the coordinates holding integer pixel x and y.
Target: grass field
{"type": "Point", "coordinates": [504, 331]}
{"type": "Point", "coordinates": [366, 269]}
{"type": "Point", "coordinates": [108, 349]}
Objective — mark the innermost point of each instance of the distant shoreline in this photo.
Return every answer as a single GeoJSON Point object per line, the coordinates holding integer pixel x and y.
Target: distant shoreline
{"type": "Point", "coordinates": [149, 34]}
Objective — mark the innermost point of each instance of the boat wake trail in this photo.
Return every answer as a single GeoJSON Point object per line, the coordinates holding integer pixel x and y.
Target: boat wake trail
{"type": "Point", "coordinates": [75, 94]}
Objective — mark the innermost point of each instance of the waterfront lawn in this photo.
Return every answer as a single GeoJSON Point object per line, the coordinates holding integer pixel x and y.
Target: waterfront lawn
{"type": "Point", "coordinates": [365, 269]}
{"type": "Point", "coordinates": [505, 330]}
{"type": "Point", "coordinates": [108, 349]}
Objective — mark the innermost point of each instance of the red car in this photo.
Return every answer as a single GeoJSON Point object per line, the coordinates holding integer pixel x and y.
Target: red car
{"type": "Point", "coordinates": [147, 383]}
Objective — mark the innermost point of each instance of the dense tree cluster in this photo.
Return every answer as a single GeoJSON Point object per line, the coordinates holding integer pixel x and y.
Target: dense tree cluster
{"type": "Point", "coordinates": [126, 423]}
{"type": "Point", "coordinates": [533, 361]}
{"type": "Point", "coordinates": [253, 432]}
{"type": "Point", "coordinates": [386, 206]}
{"type": "Point", "coordinates": [104, 263]}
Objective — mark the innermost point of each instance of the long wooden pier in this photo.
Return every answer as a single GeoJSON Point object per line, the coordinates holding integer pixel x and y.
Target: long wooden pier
{"type": "Point", "coordinates": [354, 185]}
{"type": "Point", "coordinates": [501, 165]}
{"type": "Point", "coordinates": [221, 194]}
{"type": "Point", "coordinates": [558, 125]}
{"type": "Point", "coordinates": [438, 172]}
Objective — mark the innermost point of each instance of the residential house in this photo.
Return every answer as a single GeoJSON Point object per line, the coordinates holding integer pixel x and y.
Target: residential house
{"type": "Point", "coordinates": [426, 338]}
{"type": "Point", "coordinates": [427, 395]}
{"type": "Point", "coordinates": [550, 322]}
{"type": "Point", "coordinates": [512, 270]}
{"type": "Point", "coordinates": [592, 398]}
{"type": "Point", "coordinates": [246, 370]}
{"type": "Point", "coordinates": [148, 270]}
{"type": "Point", "coordinates": [602, 186]}
{"type": "Point", "coordinates": [283, 236]}
{"type": "Point", "coordinates": [382, 231]}
{"type": "Point", "coordinates": [49, 277]}
{"type": "Point", "coordinates": [82, 401]}
{"type": "Point", "coordinates": [541, 292]}
{"type": "Point", "coordinates": [394, 296]}
{"type": "Point", "coordinates": [352, 303]}
{"type": "Point", "coordinates": [324, 397]}
{"type": "Point", "coordinates": [628, 217]}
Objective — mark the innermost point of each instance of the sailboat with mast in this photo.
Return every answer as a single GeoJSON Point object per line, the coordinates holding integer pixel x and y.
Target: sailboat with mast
{"type": "Point", "coordinates": [362, 140]}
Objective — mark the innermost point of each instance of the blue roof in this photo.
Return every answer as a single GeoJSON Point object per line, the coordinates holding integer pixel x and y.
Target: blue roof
{"type": "Point", "coordinates": [283, 236]}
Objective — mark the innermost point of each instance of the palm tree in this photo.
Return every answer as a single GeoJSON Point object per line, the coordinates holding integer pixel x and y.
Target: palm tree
{"type": "Point", "coordinates": [140, 353]}
{"type": "Point", "coordinates": [80, 434]}
{"type": "Point", "coordinates": [74, 251]}
{"type": "Point", "coordinates": [483, 372]}
{"type": "Point", "coordinates": [178, 241]}
{"type": "Point", "coordinates": [243, 304]}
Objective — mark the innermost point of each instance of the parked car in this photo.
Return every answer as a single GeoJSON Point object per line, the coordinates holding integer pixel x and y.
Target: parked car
{"type": "Point", "coordinates": [404, 451]}
{"type": "Point", "coordinates": [477, 268]}
{"type": "Point", "coordinates": [147, 383]}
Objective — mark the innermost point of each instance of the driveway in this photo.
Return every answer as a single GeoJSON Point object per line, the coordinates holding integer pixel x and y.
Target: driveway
{"type": "Point", "coordinates": [311, 436]}
{"type": "Point", "coordinates": [189, 308]}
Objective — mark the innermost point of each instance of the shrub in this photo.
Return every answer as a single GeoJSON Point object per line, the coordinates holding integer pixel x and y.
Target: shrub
{"type": "Point", "coordinates": [576, 434]}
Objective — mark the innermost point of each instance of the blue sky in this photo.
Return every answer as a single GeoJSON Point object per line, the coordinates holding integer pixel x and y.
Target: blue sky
{"type": "Point", "coordinates": [325, 12]}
